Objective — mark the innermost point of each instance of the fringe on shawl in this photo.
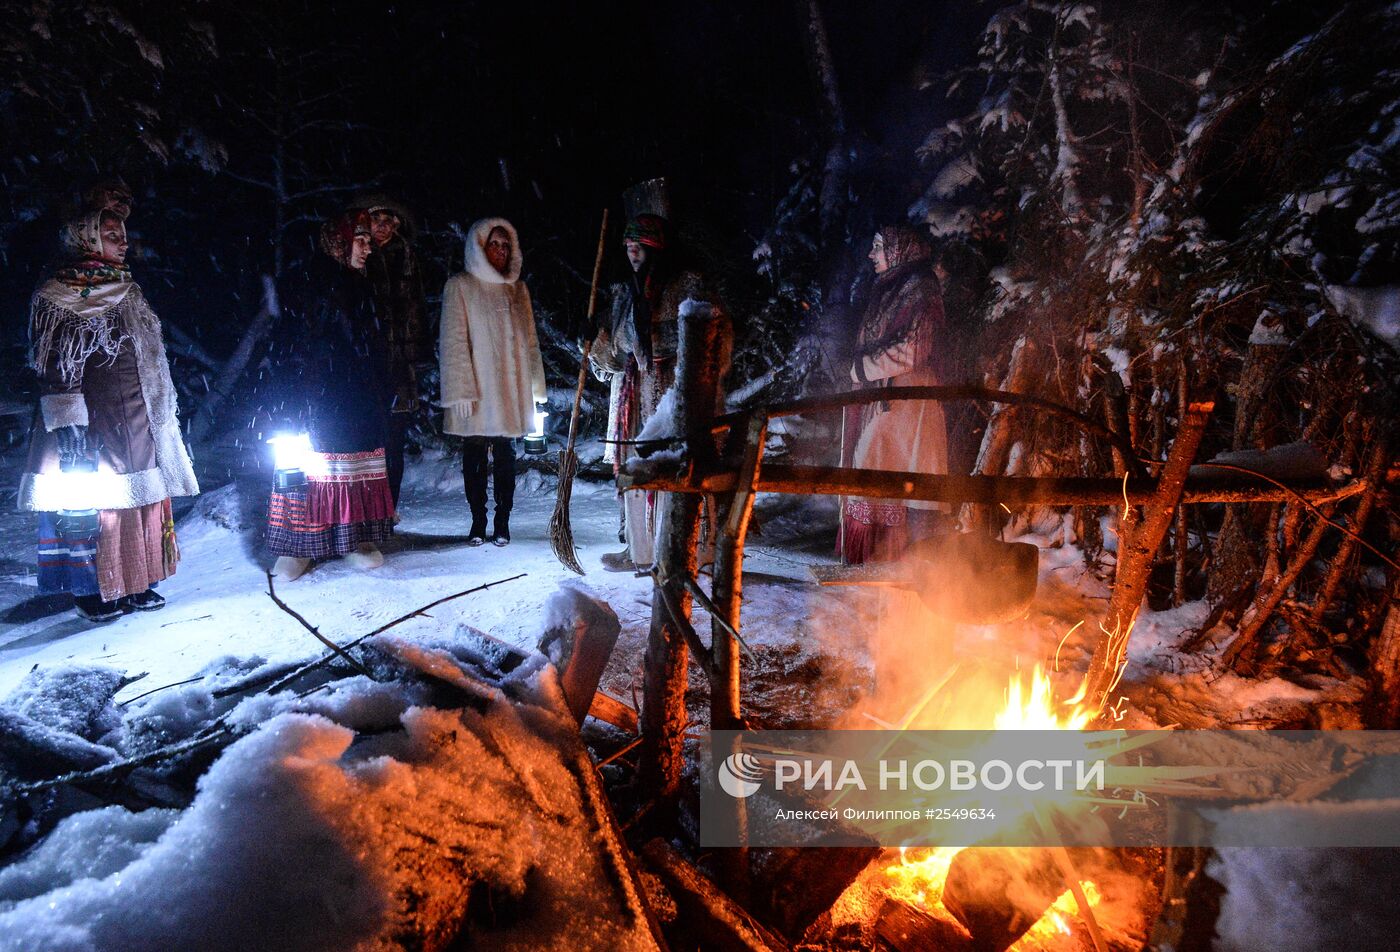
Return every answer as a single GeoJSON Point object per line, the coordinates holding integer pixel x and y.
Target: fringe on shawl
{"type": "Point", "coordinates": [68, 339]}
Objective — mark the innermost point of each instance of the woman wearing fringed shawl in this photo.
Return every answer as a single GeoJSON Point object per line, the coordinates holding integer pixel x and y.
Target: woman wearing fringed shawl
{"type": "Point", "coordinates": [106, 436]}
{"type": "Point", "coordinates": [347, 507]}
{"type": "Point", "coordinates": [899, 345]}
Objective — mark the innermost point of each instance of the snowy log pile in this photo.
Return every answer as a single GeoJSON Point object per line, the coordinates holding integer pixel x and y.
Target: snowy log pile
{"type": "Point", "coordinates": [443, 797]}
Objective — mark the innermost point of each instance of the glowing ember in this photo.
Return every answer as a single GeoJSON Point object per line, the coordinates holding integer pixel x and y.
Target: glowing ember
{"type": "Point", "coordinates": [917, 879]}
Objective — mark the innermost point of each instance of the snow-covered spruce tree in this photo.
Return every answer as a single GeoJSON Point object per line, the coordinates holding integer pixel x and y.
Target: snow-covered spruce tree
{"type": "Point", "coordinates": [1209, 211]}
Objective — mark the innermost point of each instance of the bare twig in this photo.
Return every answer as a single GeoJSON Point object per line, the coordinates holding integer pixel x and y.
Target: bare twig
{"type": "Point", "coordinates": [159, 689]}
{"type": "Point", "coordinates": [717, 615]}
{"type": "Point", "coordinates": [385, 627]}
{"type": "Point", "coordinates": [272, 594]}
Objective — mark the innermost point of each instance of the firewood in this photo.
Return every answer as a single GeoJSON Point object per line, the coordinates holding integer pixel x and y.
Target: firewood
{"type": "Point", "coordinates": [906, 929]}
{"type": "Point", "coordinates": [998, 893]}
{"type": "Point", "coordinates": [609, 709]}
{"type": "Point", "coordinates": [703, 911]}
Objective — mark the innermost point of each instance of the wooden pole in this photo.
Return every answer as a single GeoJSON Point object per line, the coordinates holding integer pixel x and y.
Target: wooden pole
{"type": "Point", "coordinates": [729, 584]}
{"type": "Point", "coordinates": [701, 360]}
{"type": "Point", "coordinates": [1011, 490]}
{"type": "Point", "coordinates": [725, 709]}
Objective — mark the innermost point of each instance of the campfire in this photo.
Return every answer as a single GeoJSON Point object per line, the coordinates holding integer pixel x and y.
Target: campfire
{"type": "Point", "coordinates": [1021, 899]}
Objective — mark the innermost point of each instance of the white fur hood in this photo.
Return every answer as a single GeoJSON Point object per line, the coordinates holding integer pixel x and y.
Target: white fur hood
{"type": "Point", "coordinates": [477, 265]}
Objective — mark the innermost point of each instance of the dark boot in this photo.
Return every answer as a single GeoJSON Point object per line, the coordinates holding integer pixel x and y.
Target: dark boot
{"type": "Point", "coordinates": [93, 608]}
{"type": "Point", "coordinates": [148, 601]}
{"type": "Point", "coordinates": [502, 487]}
{"type": "Point", "coordinates": [474, 481]}
{"type": "Point", "coordinates": [394, 442]}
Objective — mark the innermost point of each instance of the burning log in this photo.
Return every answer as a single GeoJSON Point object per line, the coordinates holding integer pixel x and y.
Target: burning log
{"type": "Point", "coordinates": [703, 910]}
{"type": "Point", "coordinates": [998, 893]}
{"type": "Point", "coordinates": [907, 929]}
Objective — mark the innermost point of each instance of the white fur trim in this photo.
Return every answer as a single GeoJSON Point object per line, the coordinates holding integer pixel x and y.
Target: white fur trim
{"type": "Point", "coordinates": [177, 472]}
{"type": "Point", "coordinates": [50, 492]}
{"type": "Point", "coordinates": [477, 265]}
{"type": "Point", "coordinates": [63, 409]}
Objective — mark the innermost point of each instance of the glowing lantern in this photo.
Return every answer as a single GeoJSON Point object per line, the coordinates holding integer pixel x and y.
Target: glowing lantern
{"type": "Point", "coordinates": [76, 518]}
{"type": "Point", "coordinates": [289, 454]}
{"type": "Point", "coordinates": [535, 440]}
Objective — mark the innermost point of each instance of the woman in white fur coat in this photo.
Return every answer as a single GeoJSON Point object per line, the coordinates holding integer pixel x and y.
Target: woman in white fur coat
{"type": "Point", "coordinates": [492, 374]}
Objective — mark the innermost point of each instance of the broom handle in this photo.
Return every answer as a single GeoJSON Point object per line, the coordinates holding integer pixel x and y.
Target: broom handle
{"type": "Point", "coordinates": [588, 343]}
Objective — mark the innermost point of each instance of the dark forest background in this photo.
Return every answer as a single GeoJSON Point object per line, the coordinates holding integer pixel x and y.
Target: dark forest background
{"type": "Point", "coordinates": [1135, 204]}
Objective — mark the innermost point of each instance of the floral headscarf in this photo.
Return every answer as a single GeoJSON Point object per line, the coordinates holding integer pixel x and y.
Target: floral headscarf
{"type": "Point", "coordinates": [338, 234]}
{"type": "Point", "coordinates": [85, 268]}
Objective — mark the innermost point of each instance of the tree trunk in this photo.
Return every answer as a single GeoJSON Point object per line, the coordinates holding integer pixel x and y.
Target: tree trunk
{"type": "Point", "coordinates": [1000, 434]}
{"type": "Point", "coordinates": [1236, 568]}
{"type": "Point", "coordinates": [833, 197]}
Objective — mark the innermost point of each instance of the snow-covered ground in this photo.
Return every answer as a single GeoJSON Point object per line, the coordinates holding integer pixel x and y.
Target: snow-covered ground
{"type": "Point", "coordinates": [814, 649]}
{"type": "Point", "coordinates": [217, 603]}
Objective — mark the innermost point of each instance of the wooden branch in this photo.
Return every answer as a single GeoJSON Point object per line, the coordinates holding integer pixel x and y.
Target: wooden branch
{"type": "Point", "coordinates": [956, 392]}
{"type": "Point", "coordinates": [718, 616]}
{"type": "Point", "coordinates": [704, 909]}
{"type": "Point", "coordinates": [272, 594]}
{"type": "Point", "coordinates": [1008, 490]}
{"type": "Point", "coordinates": [311, 666]}
{"type": "Point", "coordinates": [698, 648]}
{"type": "Point", "coordinates": [1268, 598]}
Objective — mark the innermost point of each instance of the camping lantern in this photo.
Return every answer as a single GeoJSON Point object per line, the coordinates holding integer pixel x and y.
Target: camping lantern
{"type": "Point", "coordinates": [289, 453]}
{"type": "Point", "coordinates": [535, 440]}
{"type": "Point", "coordinates": [77, 519]}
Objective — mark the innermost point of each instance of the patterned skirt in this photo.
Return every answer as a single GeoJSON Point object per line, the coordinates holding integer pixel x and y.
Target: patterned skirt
{"type": "Point", "coordinates": [880, 530]}
{"type": "Point", "coordinates": [346, 503]}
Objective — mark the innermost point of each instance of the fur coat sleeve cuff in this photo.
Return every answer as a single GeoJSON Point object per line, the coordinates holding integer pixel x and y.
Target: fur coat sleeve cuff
{"type": "Point", "coordinates": [63, 409]}
{"type": "Point", "coordinates": [464, 407]}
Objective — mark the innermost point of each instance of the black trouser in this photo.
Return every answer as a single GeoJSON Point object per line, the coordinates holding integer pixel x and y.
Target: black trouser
{"type": "Point", "coordinates": [502, 476]}
{"type": "Point", "coordinates": [395, 438]}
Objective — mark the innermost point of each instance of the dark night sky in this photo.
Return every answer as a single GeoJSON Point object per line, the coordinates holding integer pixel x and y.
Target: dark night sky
{"type": "Point", "coordinates": [579, 100]}
{"type": "Point", "coordinates": [582, 103]}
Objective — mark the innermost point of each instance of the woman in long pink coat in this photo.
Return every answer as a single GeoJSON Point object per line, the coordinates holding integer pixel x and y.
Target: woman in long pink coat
{"type": "Point", "coordinates": [901, 344]}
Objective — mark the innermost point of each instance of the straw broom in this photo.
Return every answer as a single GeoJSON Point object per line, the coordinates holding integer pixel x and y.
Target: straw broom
{"type": "Point", "coordinates": [561, 534]}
